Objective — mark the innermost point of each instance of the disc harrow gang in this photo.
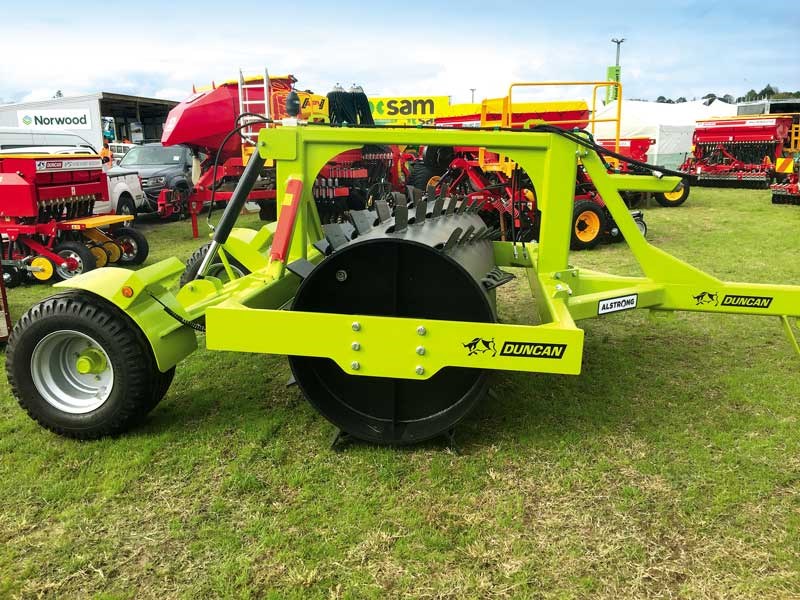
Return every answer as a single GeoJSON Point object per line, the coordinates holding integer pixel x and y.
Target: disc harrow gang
{"type": "Point", "coordinates": [742, 180]}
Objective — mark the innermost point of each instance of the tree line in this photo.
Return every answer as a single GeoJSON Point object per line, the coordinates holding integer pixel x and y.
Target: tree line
{"type": "Point", "coordinates": [770, 92]}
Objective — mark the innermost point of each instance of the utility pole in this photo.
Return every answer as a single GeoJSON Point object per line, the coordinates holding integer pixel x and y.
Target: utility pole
{"type": "Point", "coordinates": [473, 94]}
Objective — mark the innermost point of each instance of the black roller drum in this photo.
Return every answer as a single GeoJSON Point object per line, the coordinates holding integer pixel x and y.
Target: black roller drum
{"type": "Point", "coordinates": [431, 265]}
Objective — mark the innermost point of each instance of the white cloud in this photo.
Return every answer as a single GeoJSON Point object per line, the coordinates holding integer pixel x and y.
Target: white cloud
{"type": "Point", "coordinates": [407, 57]}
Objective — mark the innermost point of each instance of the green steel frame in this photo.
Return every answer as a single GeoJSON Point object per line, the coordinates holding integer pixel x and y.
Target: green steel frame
{"type": "Point", "coordinates": [245, 314]}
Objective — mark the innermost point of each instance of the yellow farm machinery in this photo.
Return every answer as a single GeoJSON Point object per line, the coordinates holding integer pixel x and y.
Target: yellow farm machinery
{"type": "Point", "coordinates": [389, 319]}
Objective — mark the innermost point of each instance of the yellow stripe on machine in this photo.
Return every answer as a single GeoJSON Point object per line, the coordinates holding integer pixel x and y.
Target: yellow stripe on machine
{"type": "Point", "coordinates": [98, 221]}
{"type": "Point", "coordinates": [784, 165]}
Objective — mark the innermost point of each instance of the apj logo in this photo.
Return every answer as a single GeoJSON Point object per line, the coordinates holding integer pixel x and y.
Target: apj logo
{"type": "Point", "coordinates": [27, 120]}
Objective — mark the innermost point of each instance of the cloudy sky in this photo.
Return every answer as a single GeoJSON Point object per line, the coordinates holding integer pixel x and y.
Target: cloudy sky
{"type": "Point", "coordinates": [157, 48]}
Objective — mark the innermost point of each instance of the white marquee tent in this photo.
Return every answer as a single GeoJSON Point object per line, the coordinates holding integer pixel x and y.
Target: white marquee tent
{"type": "Point", "coordinates": [670, 125]}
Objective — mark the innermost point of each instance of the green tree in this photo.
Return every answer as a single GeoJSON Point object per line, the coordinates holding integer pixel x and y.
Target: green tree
{"type": "Point", "coordinates": [768, 92]}
{"type": "Point", "coordinates": [58, 94]}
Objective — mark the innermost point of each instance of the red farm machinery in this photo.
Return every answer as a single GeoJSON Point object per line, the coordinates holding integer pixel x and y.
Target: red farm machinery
{"type": "Point", "coordinates": [508, 197]}
{"type": "Point", "coordinates": [746, 151]}
{"type": "Point", "coordinates": [204, 122]}
{"type": "Point", "coordinates": [46, 221]}
{"type": "Point", "coordinates": [786, 189]}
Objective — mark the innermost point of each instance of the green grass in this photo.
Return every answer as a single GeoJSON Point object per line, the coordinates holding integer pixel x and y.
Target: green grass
{"type": "Point", "coordinates": [669, 468]}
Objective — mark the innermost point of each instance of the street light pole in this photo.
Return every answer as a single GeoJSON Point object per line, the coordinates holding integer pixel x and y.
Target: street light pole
{"type": "Point", "coordinates": [618, 42]}
{"type": "Point", "coordinates": [473, 94]}
{"type": "Point", "coordinates": [614, 74]}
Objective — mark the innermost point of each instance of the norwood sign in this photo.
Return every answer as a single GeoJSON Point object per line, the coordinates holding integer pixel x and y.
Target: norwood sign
{"type": "Point", "coordinates": [55, 119]}
{"type": "Point", "coordinates": [408, 109]}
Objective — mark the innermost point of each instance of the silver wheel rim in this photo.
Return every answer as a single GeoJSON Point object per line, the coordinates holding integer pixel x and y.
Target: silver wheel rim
{"type": "Point", "coordinates": [64, 272]}
{"type": "Point", "coordinates": [125, 241]}
{"type": "Point", "coordinates": [55, 373]}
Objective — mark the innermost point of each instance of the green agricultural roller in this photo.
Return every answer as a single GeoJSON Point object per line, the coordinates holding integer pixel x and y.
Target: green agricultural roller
{"type": "Point", "coordinates": [389, 320]}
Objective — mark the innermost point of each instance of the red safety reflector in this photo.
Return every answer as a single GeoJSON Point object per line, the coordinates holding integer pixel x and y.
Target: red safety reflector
{"type": "Point", "coordinates": [127, 291]}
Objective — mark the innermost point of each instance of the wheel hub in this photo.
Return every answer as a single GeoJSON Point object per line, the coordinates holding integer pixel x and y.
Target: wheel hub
{"type": "Point", "coordinates": [128, 249]}
{"type": "Point", "coordinates": [587, 226]}
{"type": "Point", "coordinates": [72, 372]}
{"type": "Point", "coordinates": [43, 268]}
{"type": "Point", "coordinates": [91, 360]}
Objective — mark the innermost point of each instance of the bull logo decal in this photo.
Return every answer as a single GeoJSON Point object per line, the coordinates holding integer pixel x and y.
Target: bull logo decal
{"type": "Point", "coordinates": [706, 298]}
{"type": "Point", "coordinates": [480, 346]}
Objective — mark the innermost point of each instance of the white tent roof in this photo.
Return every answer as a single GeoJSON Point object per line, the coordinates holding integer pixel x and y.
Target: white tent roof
{"type": "Point", "coordinates": [641, 119]}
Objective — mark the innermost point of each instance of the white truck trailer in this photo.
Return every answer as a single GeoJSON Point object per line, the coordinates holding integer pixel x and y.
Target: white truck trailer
{"type": "Point", "coordinates": [133, 118]}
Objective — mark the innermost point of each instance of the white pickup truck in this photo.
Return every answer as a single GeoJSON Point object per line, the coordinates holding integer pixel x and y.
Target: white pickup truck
{"type": "Point", "coordinates": [125, 194]}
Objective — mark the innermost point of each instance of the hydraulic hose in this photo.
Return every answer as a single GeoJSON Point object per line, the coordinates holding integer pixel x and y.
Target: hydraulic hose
{"type": "Point", "coordinates": [231, 133]}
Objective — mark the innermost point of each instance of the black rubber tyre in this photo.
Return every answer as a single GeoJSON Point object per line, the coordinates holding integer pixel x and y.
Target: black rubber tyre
{"type": "Point", "coordinates": [438, 158]}
{"type": "Point", "coordinates": [419, 176]}
{"type": "Point", "coordinates": [78, 251]}
{"type": "Point", "coordinates": [134, 245]}
{"type": "Point", "coordinates": [631, 199]}
{"type": "Point", "coordinates": [126, 206]}
{"type": "Point", "coordinates": [642, 226]}
{"type": "Point", "coordinates": [588, 225]}
{"type": "Point", "coordinates": [12, 277]}
{"type": "Point", "coordinates": [162, 383]}
{"type": "Point", "coordinates": [216, 268]}
{"type": "Point", "coordinates": [133, 384]}
{"type": "Point", "coordinates": [670, 200]}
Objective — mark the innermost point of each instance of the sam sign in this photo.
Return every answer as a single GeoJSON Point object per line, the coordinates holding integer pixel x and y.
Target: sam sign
{"type": "Point", "coordinates": [416, 108]}
{"type": "Point", "coordinates": [54, 119]}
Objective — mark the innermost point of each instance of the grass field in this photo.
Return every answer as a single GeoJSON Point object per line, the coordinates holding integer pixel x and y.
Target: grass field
{"type": "Point", "coordinates": [669, 469]}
